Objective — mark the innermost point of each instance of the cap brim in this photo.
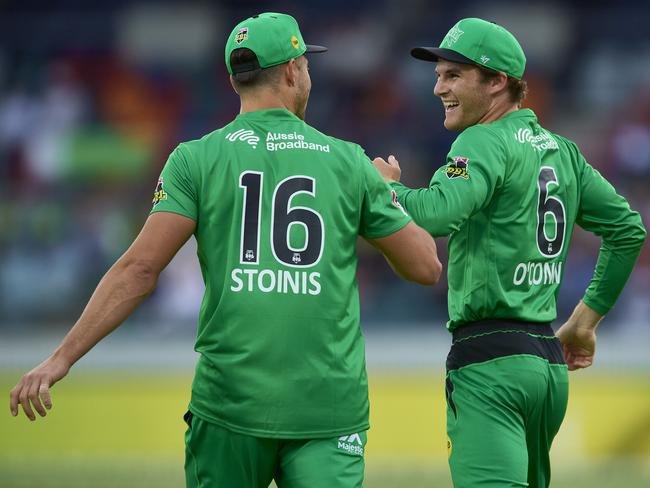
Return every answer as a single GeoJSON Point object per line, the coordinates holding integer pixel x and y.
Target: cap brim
{"type": "Point", "coordinates": [433, 54]}
{"type": "Point", "coordinates": [315, 49]}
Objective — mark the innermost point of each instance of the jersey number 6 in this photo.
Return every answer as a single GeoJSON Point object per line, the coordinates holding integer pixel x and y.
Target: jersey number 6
{"type": "Point", "coordinates": [283, 216]}
{"type": "Point", "coordinates": [549, 247]}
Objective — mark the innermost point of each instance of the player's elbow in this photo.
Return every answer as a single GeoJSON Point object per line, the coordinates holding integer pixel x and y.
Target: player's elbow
{"type": "Point", "coordinates": [642, 232]}
{"type": "Point", "coordinates": [140, 274]}
{"type": "Point", "coordinates": [423, 268]}
{"type": "Point", "coordinates": [631, 237]}
{"type": "Point", "coordinates": [429, 272]}
{"type": "Point", "coordinates": [412, 254]}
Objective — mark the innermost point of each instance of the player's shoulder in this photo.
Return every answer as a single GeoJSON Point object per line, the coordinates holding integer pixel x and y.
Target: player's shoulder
{"type": "Point", "coordinates": [210, 143]}
{"type": "Point", "coordinates": [565, 142]}
{"type": "Point", "coordinates": [347, 153]}
{"type": "Point", "coordinates": [340, 145]}
{"type": "Point", "coordinates": [570, 150]}
{"type": "Point", "coordinates": [214, 137]}
{"type": "Point", "coordinates": [479, 138]}
{"type": "Point", "coordinates": [481, 133]}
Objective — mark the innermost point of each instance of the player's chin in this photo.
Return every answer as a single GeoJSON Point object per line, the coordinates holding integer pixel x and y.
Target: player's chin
{"type": "Point", "coordinates": [453, 122]}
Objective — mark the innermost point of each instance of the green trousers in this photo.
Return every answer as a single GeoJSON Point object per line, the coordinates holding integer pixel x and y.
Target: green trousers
{"type": "Point", "coordinates": [507, 392]}
{"type": "Point", "coordinates": [216, 457]}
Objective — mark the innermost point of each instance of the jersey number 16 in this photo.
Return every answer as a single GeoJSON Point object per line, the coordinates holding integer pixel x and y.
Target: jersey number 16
{"type": "Point", "coordinates": [283, 216]}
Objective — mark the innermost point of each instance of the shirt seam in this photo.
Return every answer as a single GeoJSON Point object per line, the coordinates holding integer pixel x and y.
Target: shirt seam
{"type": "Point", "coordinates": [504, 331]}
{"type": "Point", "coordinates": [280, 434]}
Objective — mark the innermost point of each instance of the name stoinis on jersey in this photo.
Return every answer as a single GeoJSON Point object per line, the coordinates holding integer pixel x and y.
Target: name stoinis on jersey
{"type": "Point", "coordinates": [279, 141]}
{"type": "Point", "coordinates": [278, 281]}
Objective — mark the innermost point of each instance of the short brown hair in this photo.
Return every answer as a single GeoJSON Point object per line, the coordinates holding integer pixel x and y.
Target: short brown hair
{"type": "Point", "coordinates": [518, 89]}
{"type": "Point", "coordinates": [247, 72]}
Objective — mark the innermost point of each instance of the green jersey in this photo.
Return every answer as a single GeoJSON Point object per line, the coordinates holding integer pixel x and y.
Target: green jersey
{"type": "Point", "coordinates": [279, 207]}
{"type": "Point", "coordinates": [508, 197]}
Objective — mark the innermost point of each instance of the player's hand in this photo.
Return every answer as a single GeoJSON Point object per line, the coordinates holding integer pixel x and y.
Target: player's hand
{"type": "Point", "coordinates": [33, 390]}
{"type": "Point", "coordinates": [389, 170]}
{"type": "Point", "coordinates": [578, 345]}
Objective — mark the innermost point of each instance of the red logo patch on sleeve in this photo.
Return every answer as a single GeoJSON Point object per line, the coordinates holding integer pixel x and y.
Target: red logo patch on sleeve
{"type": "Point", "coordinates": [159, 193]}
{"type": "Point", "coordinates": [395, 201]}
{"type": "Point", "coordinates": [457, 168]}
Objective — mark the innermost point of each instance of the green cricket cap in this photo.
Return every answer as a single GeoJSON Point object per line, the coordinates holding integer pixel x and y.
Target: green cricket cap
{"type": "Point", "coordinates": [479, 42]}
{"type": "Point", "coordinates": [274, 38]}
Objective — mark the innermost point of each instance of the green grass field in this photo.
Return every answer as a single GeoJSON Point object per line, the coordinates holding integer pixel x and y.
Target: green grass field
{"type": "Point", "coordinates": [124, 429]}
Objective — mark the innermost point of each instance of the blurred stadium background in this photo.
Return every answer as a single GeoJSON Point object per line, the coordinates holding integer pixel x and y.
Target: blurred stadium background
{"type": "Point", "coordinates": [94, 96]}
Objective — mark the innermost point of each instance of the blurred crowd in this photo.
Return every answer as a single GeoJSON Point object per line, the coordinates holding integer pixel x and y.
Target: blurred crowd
{"type": "Point", "coordinates": [93, 97]}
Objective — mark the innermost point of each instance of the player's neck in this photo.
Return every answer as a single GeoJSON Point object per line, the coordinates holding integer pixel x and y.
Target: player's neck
{"type": "Point", "coordinates": [501, 108]}
{"type": "Point", "coordinates": [264, 101]}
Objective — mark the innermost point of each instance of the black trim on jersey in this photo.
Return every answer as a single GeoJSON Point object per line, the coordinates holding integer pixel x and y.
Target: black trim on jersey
{"type": "Point", "coordinates": [482, 341]}
{"type": "Point", "coordinates": [188, 418]}
{"type": "Point", "coordinates": [449, 390]}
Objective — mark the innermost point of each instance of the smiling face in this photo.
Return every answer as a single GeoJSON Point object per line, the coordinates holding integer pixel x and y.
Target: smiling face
{"type": "Point", "coordinates": [464, 94]}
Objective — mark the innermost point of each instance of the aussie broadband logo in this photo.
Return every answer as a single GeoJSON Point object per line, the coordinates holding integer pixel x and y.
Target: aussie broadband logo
{"type": "Point", "coordinates": [540, 142]}
{"type": "Point", "coordinates": [244, 135]}
{"type": "Point", "coordinates": [282, 141]}
{"type": "Point", "coordinates": [352, 444]}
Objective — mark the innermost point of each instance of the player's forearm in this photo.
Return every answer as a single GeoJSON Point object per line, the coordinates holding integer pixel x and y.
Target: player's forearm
{"type": "Point", "coordinates": [429, 209]}
{"type": "Point", "coordinates": [584, 317]}
{"type": "Point", "coordinates": [420, 264]}
{"type": "Point", "coordinates": [425, 267]}
{"type": "Point", "coordinates": [119, 292]}
{"type": "Point", "coordinates": [616, 260]}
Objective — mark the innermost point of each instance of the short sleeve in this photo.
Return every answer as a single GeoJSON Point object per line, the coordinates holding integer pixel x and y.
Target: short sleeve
{"type": "Point", "coordinates": [176, 190]}
{"type": "Point", "coordinates": [381, 212]}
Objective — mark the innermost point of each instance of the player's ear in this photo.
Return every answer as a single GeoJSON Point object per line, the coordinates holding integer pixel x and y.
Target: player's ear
{"type": "Point", "coordinates": [291, 72]}
{"type": "Point", "coordinates": [234, 86]}
{"type": "Point", "coordinates": [499, 82]}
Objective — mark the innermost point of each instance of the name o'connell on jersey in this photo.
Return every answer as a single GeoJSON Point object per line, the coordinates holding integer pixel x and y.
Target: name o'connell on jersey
{"type": "Point", "coordinates": [536, 273]}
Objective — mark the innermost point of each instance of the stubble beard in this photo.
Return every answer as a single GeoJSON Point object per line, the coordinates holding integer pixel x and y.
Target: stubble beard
{"type": "Point", "coordinates": [301, 104]}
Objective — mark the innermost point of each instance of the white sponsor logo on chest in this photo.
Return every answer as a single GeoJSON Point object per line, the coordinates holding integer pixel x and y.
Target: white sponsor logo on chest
{"type": "Point", "coordinates": [281, 141]}
{"type": "Point", "coordinates": [540, 142]}
{"type": "Point", "coordinates": [244, 135]}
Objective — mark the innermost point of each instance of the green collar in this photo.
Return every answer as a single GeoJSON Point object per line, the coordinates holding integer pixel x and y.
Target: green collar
{"type": "Point", "coordinates": [273, 113]}
{"type": "Point", "coordinates": [521, 113]}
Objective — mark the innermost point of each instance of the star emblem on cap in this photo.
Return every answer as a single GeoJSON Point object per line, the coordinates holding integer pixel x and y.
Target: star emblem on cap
{"type": "Point", "coordinates": [453, 35]}
{"type": "Point", "coordinates": [242, 35]}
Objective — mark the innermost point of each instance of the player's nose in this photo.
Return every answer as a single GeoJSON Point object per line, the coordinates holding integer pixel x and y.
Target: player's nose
{"type": "Point", "coordinates": [439, 88]}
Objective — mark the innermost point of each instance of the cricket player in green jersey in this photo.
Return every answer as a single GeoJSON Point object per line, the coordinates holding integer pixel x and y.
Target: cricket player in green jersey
{"type": "Point", "coordinates": [280, 390]}
{"type": "Point", "coordinates": [508, 197]}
